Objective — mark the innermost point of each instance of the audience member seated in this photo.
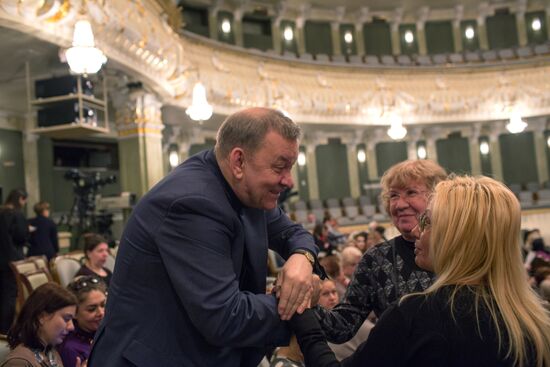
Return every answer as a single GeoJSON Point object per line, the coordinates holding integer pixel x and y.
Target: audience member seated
{"type": "Point", "coordinates": [44, 320]}
{"type": "Point", "coordinates": [96, 252]}
{"type": "Point", "coordinates": [335, 237]}
{"type": "Point", "coordinates": [480, 311]}
{"type": "Point", "coordinates": [350, 259]}
{"type": "Point", "coordinates": [538, 256]}
{"type": "Point", "coordinates": [359, 240]}
{"type": "Point", "coordinates": [90, 291]}
{"type": "Point", "coordinates": [334, 271]}
{"type": "Point", "coordinates": [328, 298]}
{"type": "Point", "coordinates": [43, 238]}
{"type": "Point", "coordinates": [320, 235]}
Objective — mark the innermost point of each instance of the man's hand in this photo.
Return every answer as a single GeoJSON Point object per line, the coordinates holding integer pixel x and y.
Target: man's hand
{"type": "Point", "coordinates": [296, 286]}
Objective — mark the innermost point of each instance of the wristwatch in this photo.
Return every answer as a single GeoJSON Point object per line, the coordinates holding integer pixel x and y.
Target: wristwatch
{"type": "Point", "coordinates": [309, 256]}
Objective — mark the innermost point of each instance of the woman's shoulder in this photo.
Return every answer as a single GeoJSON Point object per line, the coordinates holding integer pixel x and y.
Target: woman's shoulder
{"type": "Point", "coordinates": [21, 356]}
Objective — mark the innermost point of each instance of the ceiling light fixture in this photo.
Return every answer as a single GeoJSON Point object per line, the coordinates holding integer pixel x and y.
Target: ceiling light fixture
{"type": "Point", "coordinates": [348, 37]}
{"type": "Point", "coordinates": [516, 124]}
{"type": "Point", "coordinates": [469, 32]}
{"type": "Point", "coordinates": [199, 110]}
{"type": "Point", "coordinates": [83, 57]}
{"type": "Point", "coordinates": [396, 130]}
{"type": "Point", "coordinates": [288, 33]}
{"type": "Point", "coordinates": [409, 37]}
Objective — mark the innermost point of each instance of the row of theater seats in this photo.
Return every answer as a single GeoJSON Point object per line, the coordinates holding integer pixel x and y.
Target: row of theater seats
{"type": "Point", "coordinates": [468, 57]}
{"type": "Point", "coordinates": [348, 211]}
{"type": "Point", "coordinates": [532, 194]}
{"type": "Point", "coordinates": [34, 271]}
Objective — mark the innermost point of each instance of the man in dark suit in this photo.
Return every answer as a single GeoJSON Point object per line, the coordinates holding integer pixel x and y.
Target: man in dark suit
{"type": "Point", "coordinates": [43, 238]}
{"type": "Point", "coordinates": [188, 287]}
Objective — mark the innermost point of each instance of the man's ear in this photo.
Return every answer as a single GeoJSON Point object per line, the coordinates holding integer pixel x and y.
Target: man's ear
{"type": "Point", "coordinates": [236, 162]}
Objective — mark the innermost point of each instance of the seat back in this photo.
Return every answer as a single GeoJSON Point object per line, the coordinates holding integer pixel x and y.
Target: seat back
{"type": "Point", "coordinates": [22, 267]}
{"type": "Point", "coordinates": [41, 262]}
{"type": "Point", "coordinates": [4, 347]}
{"type": "Point", "coordinates": [110, 263]}
{"type": "Point", "coordinates": [64, 269]}
{"type": "Point", "coordinates": [33, 280]}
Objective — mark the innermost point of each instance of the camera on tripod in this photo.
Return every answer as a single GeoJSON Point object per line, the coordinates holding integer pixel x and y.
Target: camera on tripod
{"type": "Point", "coordinates": [83, 212]}
{"type": "Point", "coordinates": [83, 182]}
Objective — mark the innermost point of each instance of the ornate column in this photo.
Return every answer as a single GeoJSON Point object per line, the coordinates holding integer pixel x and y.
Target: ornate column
{"type": "Point", "coordinates": [372, 166]}
{"type": "Point", "coordinates": [300, 32]}
{"type": "Point", "coordinates": [353, 170]}
{"type": "Point", "coordinates": [359, 36]}
{"type": "Point", "coordinates": [481, 28]}
{"type": "Point", "coordinates": [335, 33]}
{"type": "Point", "coordinates": [340, 11]}
{"type": "Point", "coordinates": [30, 165]}
{"type": "Point", "coordinates": [413, 137]}
{"type": "Point", "coordinates": [520, 22]}
{"type": "Point", "coordinates": [457, 31]}
{"type": "Point", "coordinates": [475, 158]}
{"type": "Point", "coordinates": [431, 137]}
{"type": "Point", "coordinates": [547, 21]}
{"type": "Point", "coordinates": [311, 166]}
{"type": "Point", "coordinates": [139, 126]}
{"type": "Point", "coordinates": [276, 35]}
{"type": "Point", "coordinates": [496, 158]}
{"type": "Point", "coordinates": [420, 30]}
{"type": "Point", "coordinates": [540, 151]}
{"type": "Point", "coordinates": [395, 41]}
{"type": "Point", "coordinates": [238, 26]}
{"type": "Point", "coordinates": [213, 18]}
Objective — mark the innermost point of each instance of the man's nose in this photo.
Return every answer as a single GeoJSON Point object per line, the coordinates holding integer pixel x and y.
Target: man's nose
{"type": "Point", "coordinates": [287, 180]}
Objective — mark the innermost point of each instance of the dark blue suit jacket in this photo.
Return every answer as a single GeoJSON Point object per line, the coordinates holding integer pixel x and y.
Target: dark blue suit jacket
{"type": "Point", "coordinates": [43, 241]}
{"type": "Point", "coordinates": [188, 287]}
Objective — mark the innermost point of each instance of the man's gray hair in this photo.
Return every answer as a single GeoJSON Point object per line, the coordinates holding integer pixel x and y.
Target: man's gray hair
{"type": "Point", "coordinates": [248, 128]}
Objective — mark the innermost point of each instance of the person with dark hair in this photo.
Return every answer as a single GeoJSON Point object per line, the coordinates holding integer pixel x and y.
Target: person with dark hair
{"type": "Point", "coordinates": [96, 252]}
{"type": "Point", "coordinates": [44, 321]}
{"type": "Point", "coordinates": [43, 239]}
{"type": "Point", "coordinates": [13, 237]}
{"type": "Point", "coordinates": [195, 251]}
{"type": "Point", "coordinates": [91, 293]}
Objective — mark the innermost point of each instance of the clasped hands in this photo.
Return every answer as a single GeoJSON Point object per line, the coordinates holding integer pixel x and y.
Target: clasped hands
{"type": "Point", "coordinates": [297, 288]}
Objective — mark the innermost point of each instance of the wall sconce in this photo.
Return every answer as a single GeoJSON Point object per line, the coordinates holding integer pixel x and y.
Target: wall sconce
{"type": "Point", "coordinates": [348, 37]}
{"type": "Point", "coordinates": [361, 156]}
{"type": "Point", "coordinates": [226, 26]}
{"type": "Point", "coordinates": [484, 147]}
{"type": "Point", "coordinates": [301, 159]}
{"type": "Point", "coordinates": [174, 158]}
{"type": "Point", "coordinates": [288, 33]}
{"type": "Point", "coordinates": [421, 152]}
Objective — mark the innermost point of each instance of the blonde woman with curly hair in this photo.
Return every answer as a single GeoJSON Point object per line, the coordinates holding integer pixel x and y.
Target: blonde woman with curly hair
{"type": "Point", "coordinates": [480, 311]}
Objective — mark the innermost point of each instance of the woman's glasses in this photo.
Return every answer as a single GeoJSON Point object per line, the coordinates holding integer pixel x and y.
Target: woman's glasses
{"type": "Point", "coordinates": [424, 221]}
{"type": "Point", "coordinates": [85, 282]}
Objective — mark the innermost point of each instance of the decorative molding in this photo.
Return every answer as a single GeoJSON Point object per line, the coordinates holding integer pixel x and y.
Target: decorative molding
{"type": "Point", "coordinates": [136, 37]}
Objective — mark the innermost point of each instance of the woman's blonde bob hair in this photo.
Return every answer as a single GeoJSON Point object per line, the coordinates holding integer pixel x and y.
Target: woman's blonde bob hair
{"type": "Point", "coordinates": [475, 243]}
